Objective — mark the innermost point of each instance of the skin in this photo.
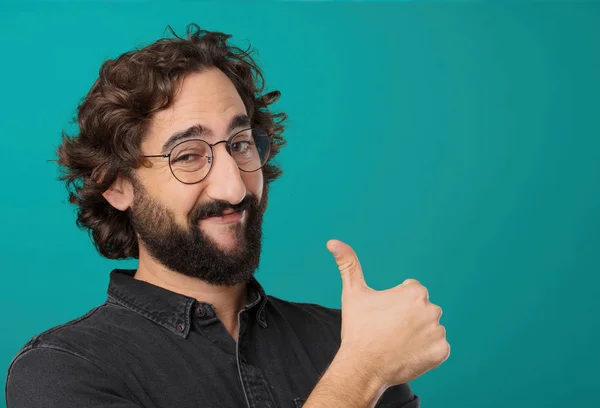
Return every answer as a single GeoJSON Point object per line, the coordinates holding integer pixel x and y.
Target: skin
{"type": "Point", "coordinates": [208, 98]}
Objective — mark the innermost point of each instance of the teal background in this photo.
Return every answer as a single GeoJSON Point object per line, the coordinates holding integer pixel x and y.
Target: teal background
{"type": "Point", "coordinates": [458, 144]}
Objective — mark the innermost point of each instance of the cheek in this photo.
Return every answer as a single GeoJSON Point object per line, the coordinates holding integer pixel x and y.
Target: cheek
{"type": "Point", "coordinates": [254, 183]}
{"type": "Point", "coordinates": [179, 198]}
{"type": "Point", "coordinates": [182, 199]}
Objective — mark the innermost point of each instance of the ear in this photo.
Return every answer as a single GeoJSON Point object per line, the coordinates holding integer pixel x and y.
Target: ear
{"type": "Point", "coordinates": [120, 193]}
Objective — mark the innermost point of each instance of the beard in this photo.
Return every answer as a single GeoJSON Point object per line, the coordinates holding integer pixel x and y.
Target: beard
{"type": "Point", "coordinates": [189, 251]}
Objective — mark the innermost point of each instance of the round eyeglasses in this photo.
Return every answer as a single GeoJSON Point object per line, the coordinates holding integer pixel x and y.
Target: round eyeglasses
{"type": "Point", "coordinates": [191, 160]}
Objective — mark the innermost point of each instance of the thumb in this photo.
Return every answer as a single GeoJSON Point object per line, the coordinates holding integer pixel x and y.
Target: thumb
{"type": "Point", "coordinates": [348, 264]}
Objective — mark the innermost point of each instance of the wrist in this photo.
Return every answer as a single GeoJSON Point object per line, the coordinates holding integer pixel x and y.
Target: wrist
{"type": "Point", "coordinates": [362, 366]}
{"type": "Point", "coordinates": [348, 382]}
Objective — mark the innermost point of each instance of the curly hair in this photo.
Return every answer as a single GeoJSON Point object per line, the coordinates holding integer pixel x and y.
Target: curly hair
{"type": "Point", "coordinates": [115, 114]}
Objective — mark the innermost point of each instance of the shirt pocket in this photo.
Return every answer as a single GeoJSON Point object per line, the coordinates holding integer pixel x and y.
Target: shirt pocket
{"type": "Point", "coordinates": [298, 402]}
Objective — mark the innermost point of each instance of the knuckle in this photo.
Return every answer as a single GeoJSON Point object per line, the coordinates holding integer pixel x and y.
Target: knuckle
{"type": "Point", "coordinates": [442, 351]}
{"type": "Point", "coordinates": [439, 332]}
{"type": "Point", "coordinates": [419, 291]}
{"type": "Point", "coordinates": [446, 350]}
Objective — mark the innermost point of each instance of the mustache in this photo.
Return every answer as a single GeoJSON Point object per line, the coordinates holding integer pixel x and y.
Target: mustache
{"type": "Point", "coordinates": [217, 207]}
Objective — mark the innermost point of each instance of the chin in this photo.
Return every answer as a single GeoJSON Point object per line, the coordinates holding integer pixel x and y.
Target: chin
{"type": "Point", "coordinates": [228, 247]}
{"type": "Point", "coordinates": [228, 243]}
{"type": "Point", "coordinates": [226, 238]}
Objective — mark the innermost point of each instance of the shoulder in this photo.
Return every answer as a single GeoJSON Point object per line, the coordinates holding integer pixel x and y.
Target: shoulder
{"type": "Point", "coordinates": [91, 337]}
{"type": "Point", "coordinates": [61, 364]}
{"type": "Point", "coordinates": [54, 337]}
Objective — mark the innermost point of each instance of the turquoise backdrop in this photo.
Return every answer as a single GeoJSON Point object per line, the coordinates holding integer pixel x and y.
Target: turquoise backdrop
{"type": "Point", "coordinates": [458, 144]}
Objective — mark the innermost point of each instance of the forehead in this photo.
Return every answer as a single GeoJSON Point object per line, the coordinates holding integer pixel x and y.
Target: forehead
{"type": "Point", "coordinates": [206, 98]}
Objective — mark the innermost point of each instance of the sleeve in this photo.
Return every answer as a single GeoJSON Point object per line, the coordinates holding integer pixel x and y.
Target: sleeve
{"type": "Point", "coordinates": [398, 396]}
{"type": "Point", "coordinates": [54, 378]}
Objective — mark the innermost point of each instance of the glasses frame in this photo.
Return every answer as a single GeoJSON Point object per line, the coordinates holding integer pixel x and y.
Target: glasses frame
{"type": "Point", "coordinates": [227, 146]}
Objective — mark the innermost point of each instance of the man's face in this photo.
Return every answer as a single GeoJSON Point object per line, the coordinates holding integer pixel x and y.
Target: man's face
{"type": "Point", "coordinates": [183, 226]}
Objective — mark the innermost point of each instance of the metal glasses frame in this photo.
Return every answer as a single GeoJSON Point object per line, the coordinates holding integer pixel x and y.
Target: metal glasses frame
{"type": "Point", "coordinates": [210, 159]}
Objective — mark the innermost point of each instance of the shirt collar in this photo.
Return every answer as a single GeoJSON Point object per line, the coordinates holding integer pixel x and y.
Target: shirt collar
{"type": "Point", "coordinates": [169, 309]}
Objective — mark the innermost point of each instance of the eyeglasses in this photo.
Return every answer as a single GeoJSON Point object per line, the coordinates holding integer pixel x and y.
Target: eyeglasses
{"type": "Point", "coordinates": [191, 160]}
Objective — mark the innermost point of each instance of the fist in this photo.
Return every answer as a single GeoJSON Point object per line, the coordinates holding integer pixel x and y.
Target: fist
{"type": "Point", "coordinates": [396, 333]}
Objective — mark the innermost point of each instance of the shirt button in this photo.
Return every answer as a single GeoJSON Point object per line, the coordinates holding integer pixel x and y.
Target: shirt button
{"type": "Point", "coordinates": [181, 327]}
{"type": "Point", "coordinates": [200, 311]}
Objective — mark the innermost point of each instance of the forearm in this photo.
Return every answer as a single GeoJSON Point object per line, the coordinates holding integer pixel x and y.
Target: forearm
{"type": "Point", "coordinates": [345, 384]}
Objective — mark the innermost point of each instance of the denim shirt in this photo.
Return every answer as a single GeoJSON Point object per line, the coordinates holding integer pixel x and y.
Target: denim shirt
{"type": "Point", "coordinates": [153, 348]}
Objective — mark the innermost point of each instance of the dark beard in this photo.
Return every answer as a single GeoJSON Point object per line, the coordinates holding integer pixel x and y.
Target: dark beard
{"type": "Point", "coordinates": [191, 252]}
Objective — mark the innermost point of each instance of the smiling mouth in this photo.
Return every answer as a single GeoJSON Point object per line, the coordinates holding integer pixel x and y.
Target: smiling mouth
{"type": "Point", "coordinates": [227, 217]}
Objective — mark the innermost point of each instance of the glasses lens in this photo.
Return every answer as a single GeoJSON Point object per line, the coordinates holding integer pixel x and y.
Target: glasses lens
{"type": "Point", "coordinates": [250, 149]}
{"type": "Point", "coordinates": [190, 161]}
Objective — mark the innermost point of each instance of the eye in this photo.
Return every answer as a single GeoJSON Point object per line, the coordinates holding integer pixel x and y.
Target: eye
{"type": "Point", "coordinates": [193, 152]}
{"type": "Point", "coordinates": [241, 146]}
{"type": "Point", "coordinates": [188, 157]}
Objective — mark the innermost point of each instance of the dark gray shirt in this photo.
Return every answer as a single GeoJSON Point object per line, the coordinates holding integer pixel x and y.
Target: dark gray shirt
{"type": "Point", "coordinates": [150, 347]}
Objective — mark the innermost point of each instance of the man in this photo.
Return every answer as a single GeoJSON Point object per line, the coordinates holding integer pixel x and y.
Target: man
{"type": "Point", "coordinates": [171, 166]}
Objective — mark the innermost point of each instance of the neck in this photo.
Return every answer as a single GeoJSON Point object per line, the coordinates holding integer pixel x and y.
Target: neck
{"type": "Point", "coordinates": [227, 300]}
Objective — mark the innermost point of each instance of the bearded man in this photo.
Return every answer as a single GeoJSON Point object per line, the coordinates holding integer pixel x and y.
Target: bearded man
{"type": "Point", "coordinates": [171, 166]}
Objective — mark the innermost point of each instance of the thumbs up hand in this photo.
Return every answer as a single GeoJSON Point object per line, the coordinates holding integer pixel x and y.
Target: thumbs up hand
{"type": "Point", "coordinates": [394, 333]}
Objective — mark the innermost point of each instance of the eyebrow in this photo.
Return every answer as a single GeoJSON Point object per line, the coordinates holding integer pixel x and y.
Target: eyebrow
{"type": "Point", "coordinates": [199, 131]}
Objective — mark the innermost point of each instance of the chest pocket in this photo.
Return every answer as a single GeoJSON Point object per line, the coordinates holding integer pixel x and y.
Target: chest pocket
{"type": "Point", "coordinates": [298, 402]}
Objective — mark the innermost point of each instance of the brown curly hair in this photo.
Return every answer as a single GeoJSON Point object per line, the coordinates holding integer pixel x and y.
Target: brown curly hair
{"type": "Point", "coordinates": [115, 114]}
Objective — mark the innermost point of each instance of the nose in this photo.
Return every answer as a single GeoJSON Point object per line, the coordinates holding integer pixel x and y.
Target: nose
{"type": "Point", "coordinates": [224, 182]}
